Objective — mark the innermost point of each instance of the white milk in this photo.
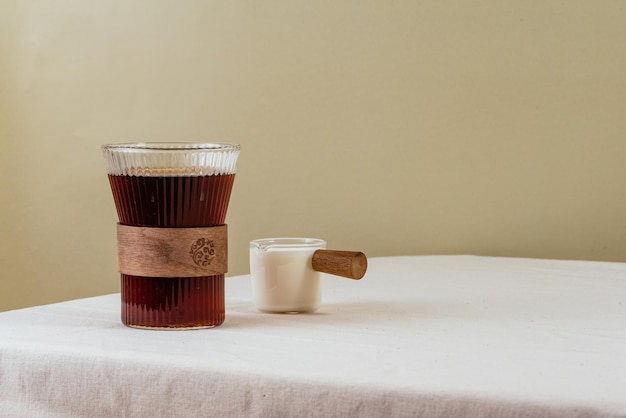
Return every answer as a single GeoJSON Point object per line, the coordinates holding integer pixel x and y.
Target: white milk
{"type": "Point", "coordinates": [283, 279]}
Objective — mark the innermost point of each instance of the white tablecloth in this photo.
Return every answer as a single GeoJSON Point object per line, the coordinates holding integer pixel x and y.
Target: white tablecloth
{"type": "Point", "coordinates": [449, 336]}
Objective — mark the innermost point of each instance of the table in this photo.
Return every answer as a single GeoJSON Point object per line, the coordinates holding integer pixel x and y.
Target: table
{"type": "Point", "coordinates": [432, 336]}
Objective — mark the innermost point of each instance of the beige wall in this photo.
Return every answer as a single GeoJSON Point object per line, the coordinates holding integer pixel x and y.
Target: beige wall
{"type": "Point", "coordinates": [405, 127]}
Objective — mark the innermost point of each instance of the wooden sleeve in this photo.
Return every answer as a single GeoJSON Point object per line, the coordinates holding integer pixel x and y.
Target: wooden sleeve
{"type": "Point", "coordinates": [172, 252]}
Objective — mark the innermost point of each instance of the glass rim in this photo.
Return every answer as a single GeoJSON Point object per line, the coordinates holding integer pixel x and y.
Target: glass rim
{"type": "Point", "coordinates": [170, 146]}
{"type": "Point", "coordinates": [287, 242]}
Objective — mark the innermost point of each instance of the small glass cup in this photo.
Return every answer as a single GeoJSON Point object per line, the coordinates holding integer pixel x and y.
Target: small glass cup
{"type": "Point", "coordinates": [283, 279]}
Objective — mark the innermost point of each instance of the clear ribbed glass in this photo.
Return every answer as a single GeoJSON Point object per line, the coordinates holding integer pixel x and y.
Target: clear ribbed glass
{"type": "Point", "coordinates": [170, 159]}
{"type": "Point", "coordinates": [172, 185]}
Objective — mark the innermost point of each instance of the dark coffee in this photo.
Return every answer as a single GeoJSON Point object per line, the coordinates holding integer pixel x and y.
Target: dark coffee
{"type": "Point", "coordinates": [171, 202]}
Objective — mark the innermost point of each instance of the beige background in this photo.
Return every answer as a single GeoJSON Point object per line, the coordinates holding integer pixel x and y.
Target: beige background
{"type": "Point", "coordinates": [392, 127]}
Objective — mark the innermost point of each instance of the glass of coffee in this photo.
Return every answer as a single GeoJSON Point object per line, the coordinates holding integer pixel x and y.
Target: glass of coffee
{"type": "Point", "coordinates": [171, 201]}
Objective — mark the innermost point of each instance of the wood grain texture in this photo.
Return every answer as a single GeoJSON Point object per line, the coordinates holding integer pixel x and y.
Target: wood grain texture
{"type": "Point", "coordinates": [172, 252]}
{"type": "Point", "coordinates": [350, 264]}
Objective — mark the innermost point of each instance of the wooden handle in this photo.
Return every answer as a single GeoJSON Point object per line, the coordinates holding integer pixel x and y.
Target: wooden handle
{"type": "Point", "coordinates": [350, 264]}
